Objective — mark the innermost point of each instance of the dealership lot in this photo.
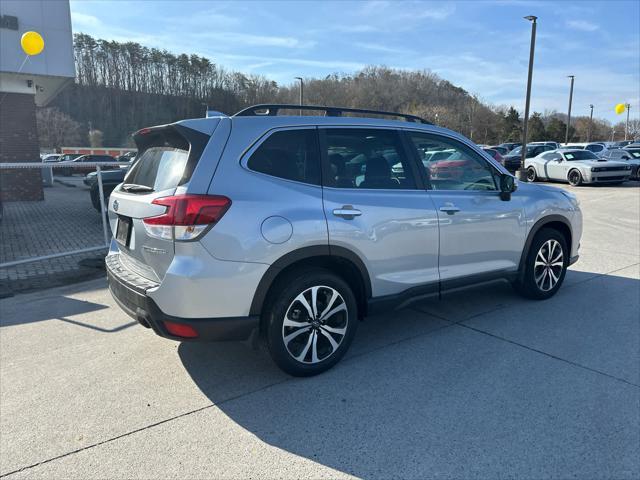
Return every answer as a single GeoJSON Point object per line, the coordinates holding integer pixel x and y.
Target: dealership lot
{"type": "Point", "coordinates": [481, 384]}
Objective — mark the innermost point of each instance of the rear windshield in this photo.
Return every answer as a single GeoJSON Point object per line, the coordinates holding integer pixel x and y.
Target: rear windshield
{"type": "Point", "coordinates": [159, 168]}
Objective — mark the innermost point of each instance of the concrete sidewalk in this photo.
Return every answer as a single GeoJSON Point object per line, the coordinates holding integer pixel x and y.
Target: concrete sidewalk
{"type": "Point", "coordinates": [482, 384]}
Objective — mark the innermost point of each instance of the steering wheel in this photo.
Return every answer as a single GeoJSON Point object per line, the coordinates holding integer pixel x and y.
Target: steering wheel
{"type": "Point", "coordinates": [485, 183]}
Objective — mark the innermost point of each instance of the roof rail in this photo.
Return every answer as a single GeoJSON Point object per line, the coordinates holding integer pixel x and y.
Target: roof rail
{"type": "Point", "coordinates": [273, 109]}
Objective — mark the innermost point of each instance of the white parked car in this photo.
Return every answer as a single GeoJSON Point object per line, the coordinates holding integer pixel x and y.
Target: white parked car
{"type": "Point", "coordinates": [576, 167]}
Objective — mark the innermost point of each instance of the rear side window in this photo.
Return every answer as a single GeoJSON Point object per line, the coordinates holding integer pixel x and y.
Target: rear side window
{"type": "Point", "coordinates": [595, 148]}
{"type": "Point", "coordinates": [367, 158]}
{"type": "Point", "coordinates": [289, 154]}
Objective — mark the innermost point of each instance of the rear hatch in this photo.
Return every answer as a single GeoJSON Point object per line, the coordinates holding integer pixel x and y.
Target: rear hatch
{"type": "Point", "coordinates": [167, 157]}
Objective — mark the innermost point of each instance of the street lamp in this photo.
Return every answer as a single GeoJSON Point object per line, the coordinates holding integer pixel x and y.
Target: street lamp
{"type": "Point", "coordinates": [566, 135]}
{"type": "Point", "coordinates": [626, 127]}
{"type": "Point", "coordinates": [301, 91]}
{"type": "Point", "coordinates": [521, 172]}
{"type": "Point", "coordinates": [590, 123]}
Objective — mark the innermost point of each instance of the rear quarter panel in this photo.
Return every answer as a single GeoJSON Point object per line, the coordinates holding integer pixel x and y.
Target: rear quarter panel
{"type": "Point", "coordinates": [269, 216]}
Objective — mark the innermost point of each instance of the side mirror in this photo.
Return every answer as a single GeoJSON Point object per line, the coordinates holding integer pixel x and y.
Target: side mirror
{"type": "Point", "coordinates": [507, 187]}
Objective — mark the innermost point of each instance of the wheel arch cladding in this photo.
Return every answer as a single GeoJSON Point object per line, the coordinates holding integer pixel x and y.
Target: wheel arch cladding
{"type": "Point", "coordinates": [555, 222]}
{"type": "Point", "coordinates": [339, 260]}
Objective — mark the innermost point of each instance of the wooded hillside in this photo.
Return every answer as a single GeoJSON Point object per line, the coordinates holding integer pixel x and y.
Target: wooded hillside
{"type": "Point", "coordinates": [121, 87]}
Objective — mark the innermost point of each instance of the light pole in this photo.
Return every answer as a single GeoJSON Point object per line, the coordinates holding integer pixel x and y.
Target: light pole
{"type": "Point", "coordinates": [626, 127]}
{"type": "Point", "coordinates": [613, 133]}
{"type": "Point", "coordinates": [566, 135]}
{"type": "Point", "coordinates": [521, 172]}
{"type": "Point", "coordinates": [301, 92]}
{"type": "Point", "coordinates": [590, 123]}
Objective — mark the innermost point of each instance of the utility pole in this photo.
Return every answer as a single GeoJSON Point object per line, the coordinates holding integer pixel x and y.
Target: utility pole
{"type": "Point", "coordinates": [626, 127]}
{"type": "Point", "coordinates": [590, 123]}
{"type": "Point", "coordinates": [522, 175]}
{"type": "Point", "coordinates": [566, 135]}
{"type": "Point", "coordinates": [301, 92]}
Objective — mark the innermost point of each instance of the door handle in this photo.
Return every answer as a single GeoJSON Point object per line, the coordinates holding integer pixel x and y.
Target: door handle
{"type": "Point", "coordinates": [449, 209]}
{"type": "Point", "coordinates": [347, 212]}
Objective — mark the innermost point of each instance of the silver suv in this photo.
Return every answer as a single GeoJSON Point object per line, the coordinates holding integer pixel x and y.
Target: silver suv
{"type": "Point", "coordinates": [291, 229]}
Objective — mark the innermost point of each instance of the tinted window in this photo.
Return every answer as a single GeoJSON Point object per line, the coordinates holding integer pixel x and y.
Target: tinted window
{"type": "Point", "coordinates": [366, 158]}
{"type": "Point", "coordinates": [450, 165]}
{"type": "Point", "coordinates": [289, 154]}
{"type": "Point", "coordinates": [594, 148]}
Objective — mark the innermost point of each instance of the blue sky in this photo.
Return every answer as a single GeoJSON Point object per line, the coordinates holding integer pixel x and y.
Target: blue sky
{"type": "Point", "coordinates": [481, 46]}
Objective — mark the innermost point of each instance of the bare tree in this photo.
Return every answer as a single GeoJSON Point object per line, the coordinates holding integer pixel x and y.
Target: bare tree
{"type": "Point", "coordinates": [56, 129]}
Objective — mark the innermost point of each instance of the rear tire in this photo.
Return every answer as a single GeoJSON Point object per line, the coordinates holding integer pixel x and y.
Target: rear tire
{"type": "Point", "coordinates": [575, 178]}
{"type": "Point", "coordinates": [545, 266]}
{"type": "Point", "coordinates": [310, 321]}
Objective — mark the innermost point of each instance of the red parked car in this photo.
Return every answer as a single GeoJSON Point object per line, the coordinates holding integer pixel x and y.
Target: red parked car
{"type": "Point", "coordinates": [495, 154]}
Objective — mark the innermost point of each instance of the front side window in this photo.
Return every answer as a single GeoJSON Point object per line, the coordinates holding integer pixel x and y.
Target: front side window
{"type": "Point", "coordinates": [366, 158]}
{"type": "Point", "coordinates": [289, 154]}
{"type": "Point", "coordinates": [451, 165]}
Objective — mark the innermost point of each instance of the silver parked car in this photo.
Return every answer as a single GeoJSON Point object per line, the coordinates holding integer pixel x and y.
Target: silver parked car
{"type": "Point", "coordinates": [290, 229]}
{"type": "Point", "coordinates": [576, 167]}
{"type": "Point", "coordinates": [629, 155]}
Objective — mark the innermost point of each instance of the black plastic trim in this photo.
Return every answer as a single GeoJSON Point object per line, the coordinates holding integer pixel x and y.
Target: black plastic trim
{"type": "Point", "coordinates": [535, 229]}
{"type": "Point", "coordinates": [143, 309]}
{"type": "Point", "coordinates": [273, 109]}
{"type": "Point", "coordinates": [391, 302]}
{"type": "Point", "coordinates": [302, 254]}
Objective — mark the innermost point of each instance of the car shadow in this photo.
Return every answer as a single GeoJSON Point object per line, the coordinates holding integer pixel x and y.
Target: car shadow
{"type": "Point", "coordinates": [432, 399]}
{"type": "Point", "coordinates": [58, 307]}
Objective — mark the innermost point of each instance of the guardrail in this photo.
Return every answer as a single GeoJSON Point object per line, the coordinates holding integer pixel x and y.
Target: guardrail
{"type": "Point", "coordinates": [98, 166]}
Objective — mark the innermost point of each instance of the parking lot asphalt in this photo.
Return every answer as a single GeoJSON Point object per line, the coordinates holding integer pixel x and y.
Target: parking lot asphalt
{"type": "Point", "coordinates": [481, 384]}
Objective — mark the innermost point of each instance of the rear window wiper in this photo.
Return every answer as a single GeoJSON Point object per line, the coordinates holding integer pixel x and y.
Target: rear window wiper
{"type": "Point", "coordinates": [134, 187]}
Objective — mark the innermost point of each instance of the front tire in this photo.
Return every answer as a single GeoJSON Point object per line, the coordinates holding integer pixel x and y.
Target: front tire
{"type": "Point", "coordinates": [545, 266]}
{"type": "Point", "coordinates": [575, 178]}
{"type": "Point", "coordinates": [310, 321]}
{"type": "Point", "coordinates": [531, 174]}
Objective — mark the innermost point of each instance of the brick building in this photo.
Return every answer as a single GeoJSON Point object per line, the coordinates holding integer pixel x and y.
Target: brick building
{"type": "Point", "coordinates": [25, 84]}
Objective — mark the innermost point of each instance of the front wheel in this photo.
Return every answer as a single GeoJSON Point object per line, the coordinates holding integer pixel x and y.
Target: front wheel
{"type": "Point", "coordinates": [575, 178]}
{"type": "Point", "coordinates": [310, 322]}
{"type": "Point", "coordinates": [545, 266]}
{"type": "Point", "coordinates": [531, 174]}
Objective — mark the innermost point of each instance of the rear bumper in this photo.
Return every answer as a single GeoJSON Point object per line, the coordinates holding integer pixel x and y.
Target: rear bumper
{"type": "Point", "coordinates": [132, 298]}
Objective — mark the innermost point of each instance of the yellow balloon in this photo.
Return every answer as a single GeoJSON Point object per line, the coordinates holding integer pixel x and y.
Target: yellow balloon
{"type": "Point", "coordinates": [32, 43]}
{"type": "Point", "coordinates": [620, 108]}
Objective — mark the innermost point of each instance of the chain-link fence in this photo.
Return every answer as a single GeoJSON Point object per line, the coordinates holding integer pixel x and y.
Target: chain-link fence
{"type": "Point", "coordinates": [62, 238]}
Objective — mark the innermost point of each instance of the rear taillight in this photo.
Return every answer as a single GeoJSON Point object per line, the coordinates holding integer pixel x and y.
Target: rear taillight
{"type": "Point", "coordinates": [187, 216]}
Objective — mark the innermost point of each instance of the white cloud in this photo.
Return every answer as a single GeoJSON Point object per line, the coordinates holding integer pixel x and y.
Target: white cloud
{"type": "Point", "coordinates": [582, 25]}
{"type": "Point", "coordinates": [83, 20]}
{"type": "Point", "coordinates": [405, 14]}
{"type": "Point", "coordinates": [246, 39]}
{"type": "Point", "coordinates": [376, 47]}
